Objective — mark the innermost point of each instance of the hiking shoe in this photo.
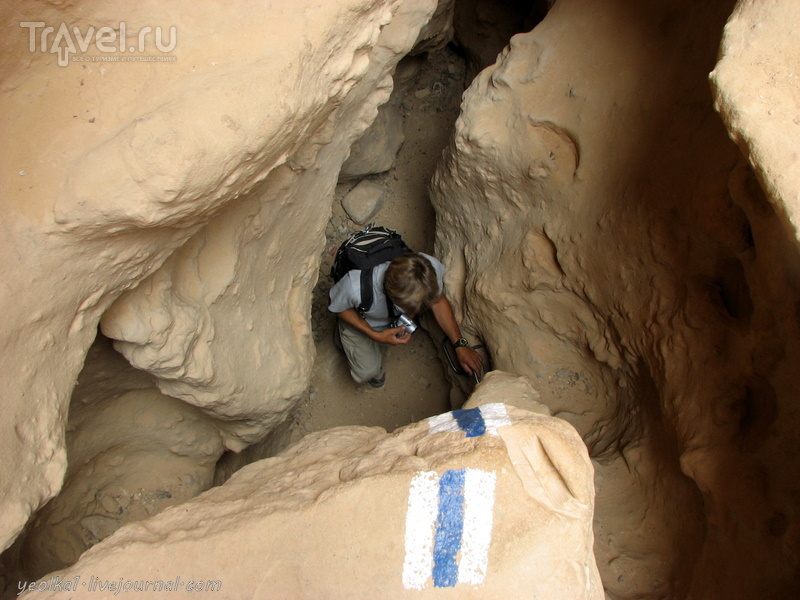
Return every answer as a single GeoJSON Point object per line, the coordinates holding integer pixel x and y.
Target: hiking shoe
{"type": "Point", "coordinates": [378, 381]}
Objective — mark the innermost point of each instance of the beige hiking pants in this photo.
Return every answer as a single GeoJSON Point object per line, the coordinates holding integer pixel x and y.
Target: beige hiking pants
{"type": "Point", "coordinates": [364, 355]}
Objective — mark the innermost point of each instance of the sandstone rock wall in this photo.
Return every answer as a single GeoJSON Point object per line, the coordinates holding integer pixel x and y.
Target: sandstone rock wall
{"type": "Point", "coordinates": [605, 237]}
{"type": "Point", "coordinates": [205, 177]}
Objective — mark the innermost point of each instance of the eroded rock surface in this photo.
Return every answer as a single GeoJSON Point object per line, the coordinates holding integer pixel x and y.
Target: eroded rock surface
{"type": "Point", "coordinates": [606, 238]}
{"type": "Point", "coordinates": [190, 177]}
{"type": "Point", "coordinates": [491, 502]}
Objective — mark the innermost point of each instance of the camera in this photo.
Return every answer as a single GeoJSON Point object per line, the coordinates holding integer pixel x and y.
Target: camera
{"type": "Point", "coordinates": [406, 323]}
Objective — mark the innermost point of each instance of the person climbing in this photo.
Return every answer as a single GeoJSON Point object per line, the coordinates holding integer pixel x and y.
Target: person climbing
{"type": "Point", "coordinates": [409, 285]}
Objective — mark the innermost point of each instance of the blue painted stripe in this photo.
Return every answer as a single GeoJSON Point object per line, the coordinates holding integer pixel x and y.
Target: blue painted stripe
{"type": "Point", "coordinates": [470, 421]}
{"type": "Point", "coordinates": [449, 528]}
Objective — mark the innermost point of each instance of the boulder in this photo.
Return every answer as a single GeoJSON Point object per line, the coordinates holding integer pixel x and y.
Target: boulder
{"type": "Point", "coordinates": [376, 150]}
{"type": "Point", "coordinates": [489, 502]}
{"type": "Point", "coordinates": [364, 201]}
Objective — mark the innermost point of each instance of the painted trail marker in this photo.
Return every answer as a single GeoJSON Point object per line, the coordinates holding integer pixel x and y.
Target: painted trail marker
{"type": "Point", "coordinates": [474, 422]}
{"type": "Point", "coordinates": [448, 528]}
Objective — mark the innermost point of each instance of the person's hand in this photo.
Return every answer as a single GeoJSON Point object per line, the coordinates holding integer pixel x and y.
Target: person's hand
{"type": "Point", "coordinates": [470, 360]}
{"type": "Point", "coordinates": [393, 335]}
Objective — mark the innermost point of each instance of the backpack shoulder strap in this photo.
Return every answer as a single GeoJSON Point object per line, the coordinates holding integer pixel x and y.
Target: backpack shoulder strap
{"type": "Point", "coordinates": [366, 291]}
{"type": "Point", "coordinates": [367, 296]}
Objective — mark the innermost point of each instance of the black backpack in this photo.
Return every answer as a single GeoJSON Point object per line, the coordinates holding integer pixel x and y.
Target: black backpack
{"type": "Point", "coordinates": [365, 250]}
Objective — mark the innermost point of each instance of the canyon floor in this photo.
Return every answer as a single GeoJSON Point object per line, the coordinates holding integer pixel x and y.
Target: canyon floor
{"type": "Point", "coordinates": [416, 386]}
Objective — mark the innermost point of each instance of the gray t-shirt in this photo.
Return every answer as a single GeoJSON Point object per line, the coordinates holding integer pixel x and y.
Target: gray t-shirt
{"type": "Point", "coordinates": [346, 293]}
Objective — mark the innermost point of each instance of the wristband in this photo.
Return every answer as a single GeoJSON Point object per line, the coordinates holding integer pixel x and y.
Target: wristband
{"type": "Point", "coordinates": [460, 343]}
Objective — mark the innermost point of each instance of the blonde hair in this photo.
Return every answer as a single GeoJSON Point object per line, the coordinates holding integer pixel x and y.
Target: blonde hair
{"type": "Point", "coordinates": [411, 283]}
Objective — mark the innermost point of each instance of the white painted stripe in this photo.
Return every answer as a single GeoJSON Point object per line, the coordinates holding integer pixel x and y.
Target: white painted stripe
{"type": "Point", "coordinates": [495, 416]}
{"type": "Point", "coordinates": [423, 507]}
{"type": "Point", "coordinates": [442, 423]}
{"type": "Point", "coordinates": [478, 520]}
